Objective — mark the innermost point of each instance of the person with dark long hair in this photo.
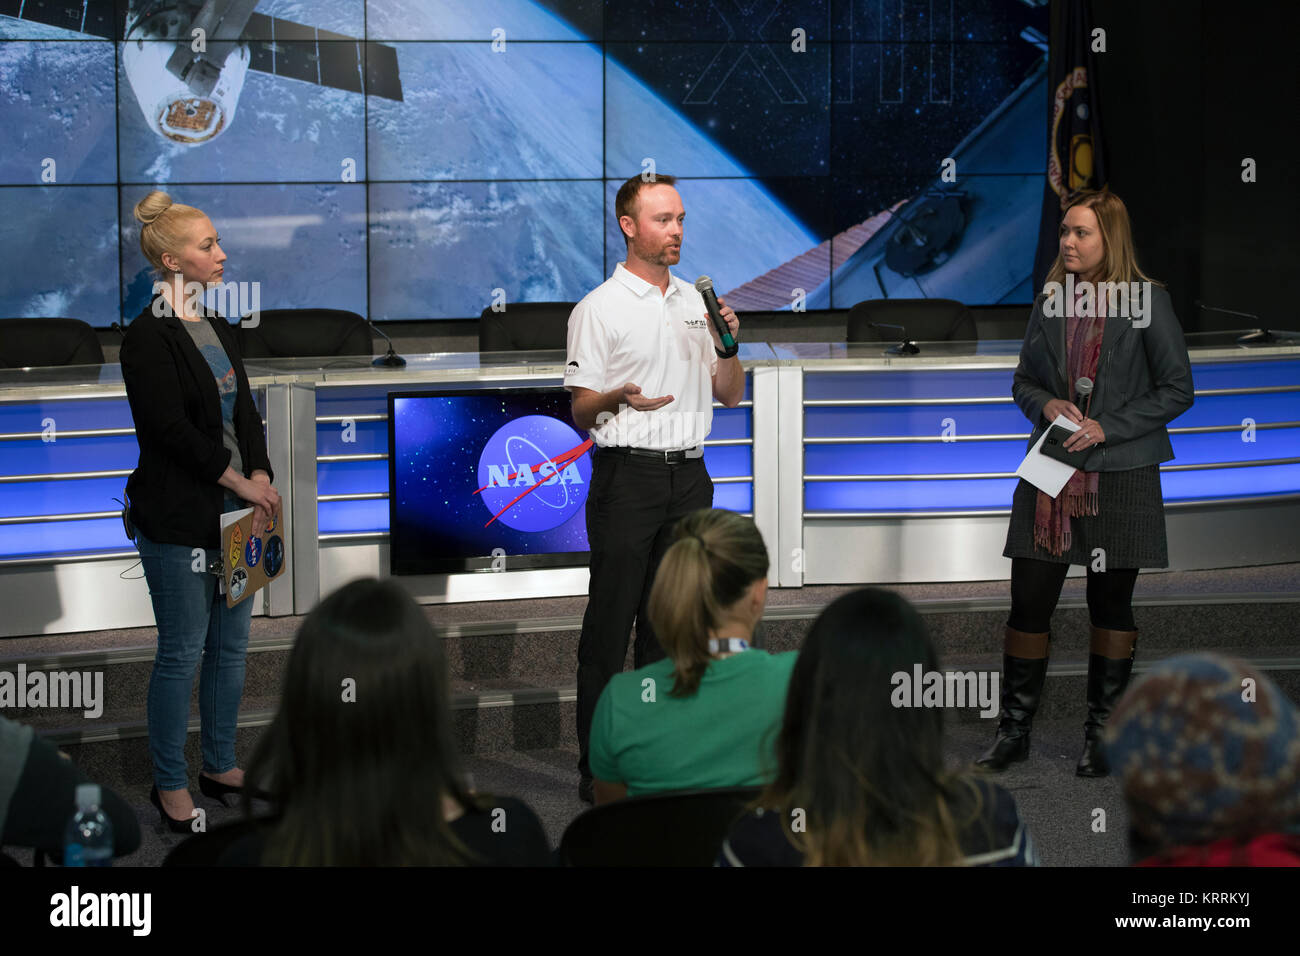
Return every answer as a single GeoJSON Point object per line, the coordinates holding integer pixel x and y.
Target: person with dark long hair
{"type": "Point", "coordinates": [706, 715]}
{"type": "Point", "coordinates": [360, 761]}
{"type": "Point", "coordinates": [861, 781]}
{"type": "Point", "coordinates": [202, 452]}
{"type": "Point", "coordinates": [1117, 335]}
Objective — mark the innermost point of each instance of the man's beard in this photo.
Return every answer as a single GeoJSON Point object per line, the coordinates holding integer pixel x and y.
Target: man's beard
{"type": "Point", "coordinates": [665, 257]}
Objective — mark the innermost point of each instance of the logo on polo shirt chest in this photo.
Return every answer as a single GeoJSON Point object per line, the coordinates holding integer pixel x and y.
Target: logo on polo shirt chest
{"type": "Point", "coordinates": [696, 323]}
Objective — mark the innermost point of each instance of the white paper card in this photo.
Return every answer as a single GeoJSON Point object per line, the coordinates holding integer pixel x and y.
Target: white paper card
{"type": "Point", "coordinates": [1047, 474]}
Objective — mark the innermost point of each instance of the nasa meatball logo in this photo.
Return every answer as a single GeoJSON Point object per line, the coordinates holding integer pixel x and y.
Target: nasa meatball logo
{"type": "Point", "coordinates": [253, 552]}
{"type": "Point", "coordinates": [520, 460]}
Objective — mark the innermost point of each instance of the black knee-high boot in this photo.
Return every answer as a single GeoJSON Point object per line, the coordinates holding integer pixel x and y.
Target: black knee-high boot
{"type": "Point", "coordinates": [1024, 671]}
{"type": "Point", "coordinates": [1110, 664]}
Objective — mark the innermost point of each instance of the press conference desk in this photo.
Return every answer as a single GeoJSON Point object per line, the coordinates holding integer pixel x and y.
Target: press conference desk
{"type": "Point", "coordinates": [858, 467]}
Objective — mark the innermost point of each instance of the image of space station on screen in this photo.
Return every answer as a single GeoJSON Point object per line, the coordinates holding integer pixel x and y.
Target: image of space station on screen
{"type": "Point", "coordinates": [406, 159]}
{"type": "Point", "coordinates": [485, 480]}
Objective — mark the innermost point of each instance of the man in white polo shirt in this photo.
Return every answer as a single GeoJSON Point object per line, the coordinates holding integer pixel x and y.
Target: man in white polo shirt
{"type": "Point", "coordinates": [644, 366]}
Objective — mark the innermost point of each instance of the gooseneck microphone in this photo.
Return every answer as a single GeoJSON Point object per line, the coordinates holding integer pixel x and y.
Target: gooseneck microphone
{"type": "Point", "coordinates": [392, 359]}
{"type": "Point", "coordinates": [704, 286]}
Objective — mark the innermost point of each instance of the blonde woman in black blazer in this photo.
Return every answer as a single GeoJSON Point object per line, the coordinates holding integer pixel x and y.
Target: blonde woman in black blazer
{"type": "Point", "coordinates": [202, 452]}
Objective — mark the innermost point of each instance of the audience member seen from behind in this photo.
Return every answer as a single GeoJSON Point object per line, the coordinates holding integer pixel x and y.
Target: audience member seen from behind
{"type": "Point", "coordinates": [705, 716]}
{"type": "Point", "coordinates": [38, 787]}
{"type": "Point", "coordinates": [1208, 750]}
{"type": "Point", "coordinates": [361, 758]}
{"type": "Point", "coordinates": [860, 781]}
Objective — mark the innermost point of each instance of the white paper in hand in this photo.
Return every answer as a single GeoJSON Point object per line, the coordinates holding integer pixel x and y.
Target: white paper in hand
{"type": "Point", "coordinates": [1047, 474]}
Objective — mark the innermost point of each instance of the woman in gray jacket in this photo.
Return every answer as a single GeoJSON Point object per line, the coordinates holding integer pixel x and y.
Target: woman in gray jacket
{"type": "Point", "coordinates": [1101, 321]}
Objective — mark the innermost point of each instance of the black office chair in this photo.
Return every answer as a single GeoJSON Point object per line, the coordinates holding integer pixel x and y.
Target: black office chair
{"type": "Point", "coordinates": [47, 342]}
{"type": "Point", "coordinates": [681, 828]}
{"type": "Point", "coordinates": [291, 333]}
{"type": "Point", "coordinates": [925, 320]}
{"type": "Point", "coordinates": [525, 327]}
{"type": "Point", "coordinates": [1001, 321]}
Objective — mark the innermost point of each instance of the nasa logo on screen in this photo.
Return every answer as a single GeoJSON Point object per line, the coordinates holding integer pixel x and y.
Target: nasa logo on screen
{"type": "Point", "coordinates": [521, 455]}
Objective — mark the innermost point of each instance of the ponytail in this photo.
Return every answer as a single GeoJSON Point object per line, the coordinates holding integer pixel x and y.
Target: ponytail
{"type": "Point", "coordinates": [715, 558]}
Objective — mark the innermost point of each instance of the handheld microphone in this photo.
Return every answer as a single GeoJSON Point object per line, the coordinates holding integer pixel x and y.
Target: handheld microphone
{"type": "Point", "coordinates": [704, 286]}
{"type": "Point", "coordinates": [1084, 387]}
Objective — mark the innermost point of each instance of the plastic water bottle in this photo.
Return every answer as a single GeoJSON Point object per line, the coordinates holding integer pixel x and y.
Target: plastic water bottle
{"type": "Point", "coordinates": [88, 839]}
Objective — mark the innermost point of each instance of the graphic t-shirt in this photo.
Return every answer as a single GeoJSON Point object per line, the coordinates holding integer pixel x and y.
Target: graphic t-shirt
{"type": "Point", "coordinates": [209, 346]}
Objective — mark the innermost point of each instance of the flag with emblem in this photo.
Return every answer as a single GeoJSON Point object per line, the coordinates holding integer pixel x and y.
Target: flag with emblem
{"type": "Point", "coordinates": [1075, 150]}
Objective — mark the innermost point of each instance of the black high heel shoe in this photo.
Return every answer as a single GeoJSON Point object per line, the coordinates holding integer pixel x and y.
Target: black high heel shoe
{"type": "Point", "coordinates": [176, 826]}
{"type": "Point", "coordinates": [219, 791]}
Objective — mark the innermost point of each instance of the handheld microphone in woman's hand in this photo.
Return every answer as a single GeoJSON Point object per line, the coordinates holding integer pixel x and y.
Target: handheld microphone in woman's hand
{"type": "Point", "coordinates": [1084, 387]}
{"type": "Point", "coordinates": [704, 286]}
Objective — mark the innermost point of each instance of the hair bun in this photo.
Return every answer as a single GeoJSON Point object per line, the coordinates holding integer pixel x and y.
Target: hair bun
{"type": "Point", "coordinates": [152, 206]}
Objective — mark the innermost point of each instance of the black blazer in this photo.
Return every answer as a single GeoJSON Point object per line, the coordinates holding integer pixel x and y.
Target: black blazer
{"type": "Point", "coordinates": [1144, 381]}
{"type": "Point", "coordinates": [174, 495]}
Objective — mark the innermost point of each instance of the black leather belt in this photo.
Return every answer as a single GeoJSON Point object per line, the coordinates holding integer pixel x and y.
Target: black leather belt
{"type": "Point", "coordinates": [667, 457]}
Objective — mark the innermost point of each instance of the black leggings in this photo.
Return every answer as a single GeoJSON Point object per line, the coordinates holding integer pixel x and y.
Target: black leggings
{"type": "Point", "coordinates": [1036, 587]}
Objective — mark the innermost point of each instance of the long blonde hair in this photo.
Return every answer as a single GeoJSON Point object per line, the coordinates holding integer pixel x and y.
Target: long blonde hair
{"type": "Point", "coordinates": [716, 557]}
{"type": "Point", "coordinates": [1118, 257]}
{"type": "Point", "coordinates": [162, 226]}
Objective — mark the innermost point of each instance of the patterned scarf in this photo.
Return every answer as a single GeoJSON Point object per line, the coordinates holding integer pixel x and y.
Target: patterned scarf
{"type": "Point", "coordinates": [1079, 496]}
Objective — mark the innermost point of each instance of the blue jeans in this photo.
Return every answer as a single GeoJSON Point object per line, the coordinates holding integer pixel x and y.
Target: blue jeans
{"type": "Point", "coordinates": [193, 623]}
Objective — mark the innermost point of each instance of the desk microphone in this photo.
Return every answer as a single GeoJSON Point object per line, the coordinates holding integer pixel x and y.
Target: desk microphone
{"type": "Point", "coordinates": [391, 359]}
{"type": "Point", "coordinates": [704, 286]}
{"type": "Point", "coordinates": [905, 347]}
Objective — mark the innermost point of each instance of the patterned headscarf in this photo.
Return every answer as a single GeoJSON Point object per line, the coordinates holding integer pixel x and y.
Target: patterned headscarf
{"type": "Point", "coordinates": [1207, 748]}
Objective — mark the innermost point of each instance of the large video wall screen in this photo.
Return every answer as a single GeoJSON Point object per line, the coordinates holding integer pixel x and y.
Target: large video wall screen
{"type": "Point", "coordinates": [407, 159]}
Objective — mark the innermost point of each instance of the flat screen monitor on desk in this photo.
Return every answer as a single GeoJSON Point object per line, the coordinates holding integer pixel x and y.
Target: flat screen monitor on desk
{"type": "Point", "coordinates": [478, 481]}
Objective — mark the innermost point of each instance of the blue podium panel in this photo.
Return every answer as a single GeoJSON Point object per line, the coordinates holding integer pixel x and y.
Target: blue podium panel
{"type": "Point", "coordinates": [1260, 444]}
{"type": "Point", "coordinates": [914, 458]}
{"type": "Point", "coordinates": [351, 438]}
{"type": "Point", "coordinates": [66, 415]}
{"type": "Point", "coordinates": [66, 455]}
{"type": "Point", "coordinates": [903, 385]}
{"type": "Point", "coordinates": [88, 536]}
{"type": "Point", "coordinates": [1240, 437]}
{"type": "Point", "coordinates": [1215, 483]}
{"type": "Point", "coordinates": [73, 496]}
{"type": "Point", "coordinates": [949, 494]}
{"type": "Point", "coordinates": [907, 421]}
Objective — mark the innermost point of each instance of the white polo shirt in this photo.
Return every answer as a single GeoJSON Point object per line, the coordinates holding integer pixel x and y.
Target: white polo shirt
{"type": "Point", "coordinates": [626, 330]}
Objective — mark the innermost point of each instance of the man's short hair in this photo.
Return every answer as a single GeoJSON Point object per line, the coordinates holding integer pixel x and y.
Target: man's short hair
{"type": "Point", "coordinates": [625, 202]}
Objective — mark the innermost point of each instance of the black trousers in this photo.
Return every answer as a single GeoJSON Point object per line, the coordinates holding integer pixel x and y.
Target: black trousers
{"type": "Point", "coordinates": [632, 507]}
{"type": "Point", "coordinates": [1036, 587]}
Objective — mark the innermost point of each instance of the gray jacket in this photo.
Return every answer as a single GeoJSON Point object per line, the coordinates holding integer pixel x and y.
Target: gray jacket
{"type": "Point", "coordinates": [1143, 382]}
